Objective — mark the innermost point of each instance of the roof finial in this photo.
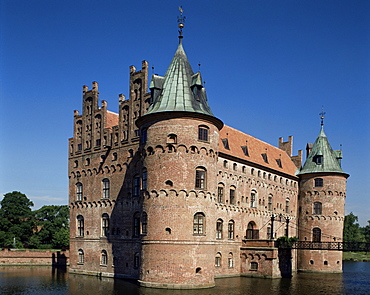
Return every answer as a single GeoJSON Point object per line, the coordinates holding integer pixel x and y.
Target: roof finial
{"type": "Point", "coordinates": [322, 114]}
{"type": "Point", "coordinates": [181, 21]}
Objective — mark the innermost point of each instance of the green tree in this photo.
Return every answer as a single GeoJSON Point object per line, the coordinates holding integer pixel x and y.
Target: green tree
{"type": "Point", "coordinates": [53, 226]}
{"type": "Point", "coordinates": [366, 232]}
{"type": "Point", "coordinates": [352, 230]}
{"type": "Point", "coordinates": [16, 221]}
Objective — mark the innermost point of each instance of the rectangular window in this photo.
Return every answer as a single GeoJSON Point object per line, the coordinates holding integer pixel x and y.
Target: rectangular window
{"type": "Point", "coordinates": [136, 191]}
{"type": "Point", "coordinates": [253, 200]}
{"type": "Point", "coordinates": [219, 229]}
{"type": "Point", "coordinates": [269, 207]}
{"type": "Point", "coordinates": [231, 230]}
{"type": "Point", "coordinates": [200, 178]}
{"type": "Point", "coordinates": [220, 194]}
{"type": "Point", "coordinates": [319, 182]}
{"type": "Point", "coordinates": [145, 179]}
{"type": "Point", "coordinates": [317, 208]}
{"type": "Point", "coordinates": [232, 197]}
{"type": "Point", "coordinates": [203, 133]}
{"type": "Point", "coordinates": [230, 262]}
{"type": "Point", "coordinates": [198, 228]}
{"type": "Point", "coordinates": [98, 142]}
{"type": "Point", "coordinates": [218, 261]}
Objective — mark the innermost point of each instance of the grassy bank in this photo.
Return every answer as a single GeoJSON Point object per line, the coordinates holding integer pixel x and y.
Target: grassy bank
{"type": "Point", "coordinates": [357, 256]}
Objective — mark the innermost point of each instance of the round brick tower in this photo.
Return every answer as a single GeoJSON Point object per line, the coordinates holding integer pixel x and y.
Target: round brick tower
{"type": "Point", "coordinates": [321, 206]}
{"type": "Point", "coordinates": [179, 146]}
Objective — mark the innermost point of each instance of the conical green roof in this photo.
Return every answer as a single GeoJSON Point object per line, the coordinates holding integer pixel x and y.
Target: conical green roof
{"type": "Point", "coordinates": [180, 90]}
{"type": "Point", "coordinates": [322, 158]}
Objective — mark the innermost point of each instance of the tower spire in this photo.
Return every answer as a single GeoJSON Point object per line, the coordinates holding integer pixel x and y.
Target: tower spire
{"type": "Point", "coordinates": [322, 116]}
{"type": "Point", "coordinates": [181, 21]}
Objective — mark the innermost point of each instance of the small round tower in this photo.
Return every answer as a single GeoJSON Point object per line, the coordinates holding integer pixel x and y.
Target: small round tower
{"type": "Point", "coordinates": [321, 206]}
{"type": "Point", "coordinates": [179, 146]}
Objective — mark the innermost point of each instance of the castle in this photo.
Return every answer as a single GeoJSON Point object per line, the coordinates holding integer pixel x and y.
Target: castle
{"type": "Point", "coordinates": [164, 193]}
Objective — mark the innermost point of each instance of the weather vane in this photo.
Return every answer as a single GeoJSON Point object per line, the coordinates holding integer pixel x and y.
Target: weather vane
{"type": "Point", "coordinates": [322, 114]}
{"type": "Point", "coordinates": [181, 21]}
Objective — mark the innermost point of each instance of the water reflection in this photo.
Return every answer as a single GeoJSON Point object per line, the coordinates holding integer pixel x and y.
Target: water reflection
{"type": "Point", "coordinates": [46, 280]}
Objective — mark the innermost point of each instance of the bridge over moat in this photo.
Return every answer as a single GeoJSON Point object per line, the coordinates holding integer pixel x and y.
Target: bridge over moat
{"type": "Point", "coordinates": [337, 246]}
{"type": "Point", "coordinates": [352, 246]}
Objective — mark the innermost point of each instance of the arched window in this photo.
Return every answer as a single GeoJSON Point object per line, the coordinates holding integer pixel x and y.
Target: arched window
{"type": "Point", "coordinates": [80, 226]}
{"type": "Point", "coordinates": [219, 225]}
{"type": "Point", "coordinates": [172, 138]}
{"type": "Point", "coordinates": [235, 167]}
{"type": "Point", "coordinates": [319, 182]}
{"type": "Point", "coordinates": [316, 235]}
{"type": "Point", "coordinates": [81, 257]}
{"type": "Point", "coordinates": [79, 191]}
{"type": "Point", "coordinates": [144, 223]}
{"type": "Point", "coordinates": [203, 133]}
{"type": "Point", "coordinates": [199, 225]}
{"type": "Point", "coordinates": [225, 164]}
{"type": "Point", "coordinates": [230, 260]}
{"type": "Point", "coordinates": [104, 258]}
{"type": "Point", "coordinates": [105, 225]}
{"type": "Point", "coordinates": [252, 231]}
{"type": "Point", "coordinates": [220, 193]}
{"type": "Point", "coordinates": [106, 188]}
{"type": "Point", "coordinates": [200, 178]}
{"type": "Point", "coordinates": [136, 224]}
{"type": "Point", "coordinates": [136, 186]}
{"type": "Point", "coordinates": [218, 259]}
{"type": "Point", "coordinates": [230, 230]}
{"type": "Point", "coordinates": [253, 199]}
{"type": "Point", "coordinates": [317, 208]}
{"type": "Point", "coordinates": [269, 204]}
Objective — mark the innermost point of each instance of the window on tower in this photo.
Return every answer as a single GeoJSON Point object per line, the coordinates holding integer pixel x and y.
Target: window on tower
{"type": "Point", "coordinates": [199, 224]}
{"type": "Point", "coordinates": [317, 208]}
{"type": "Point", "coordinates": [200, 178]}
{"type": "Point", "coordinates": [105, 225]}
{"type": "Point", "coordinates": [319, 182]}
{"type": "Point", "coordinates": [80, 226]}
{"type": "Point", "coordinates": [316, 235]}
{"type": "Point", "coordinates": [79, 191]}
{"type": "Point", "coordinates": [318, 159]}
{"type": "Point", "coordinates": [203, 133]}
{"type": "Point", "coordinates": [219, 225]}
{"type": "Point", "coordinates": [106, 188]}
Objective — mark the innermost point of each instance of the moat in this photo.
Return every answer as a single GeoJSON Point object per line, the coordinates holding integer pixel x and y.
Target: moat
{"type": "Point", "coordinates": [36, 280]}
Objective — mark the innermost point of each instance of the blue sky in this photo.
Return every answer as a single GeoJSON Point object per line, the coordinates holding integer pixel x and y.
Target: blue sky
{"type": "Point", "coordinates": [269, 67]}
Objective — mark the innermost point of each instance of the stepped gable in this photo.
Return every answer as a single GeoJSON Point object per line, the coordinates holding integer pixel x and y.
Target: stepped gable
{"type": "Point", "coordinates": [255, 149]}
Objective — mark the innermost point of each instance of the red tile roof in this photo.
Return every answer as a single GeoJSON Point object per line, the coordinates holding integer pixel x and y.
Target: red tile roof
{"type": "Point", "coordinates": [256, 148]}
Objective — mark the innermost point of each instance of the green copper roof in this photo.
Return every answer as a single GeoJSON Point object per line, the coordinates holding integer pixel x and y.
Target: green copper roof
{"type": "Point", "coordinates": [180, 89]}
{"type": "Point", "coordinates": [322, 158]}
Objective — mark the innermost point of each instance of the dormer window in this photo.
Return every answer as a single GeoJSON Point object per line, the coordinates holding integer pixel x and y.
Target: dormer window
{"type": "Point", "coordinates": [318, 159]}
{"type": "Point", "coordinates": [225, 142]}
